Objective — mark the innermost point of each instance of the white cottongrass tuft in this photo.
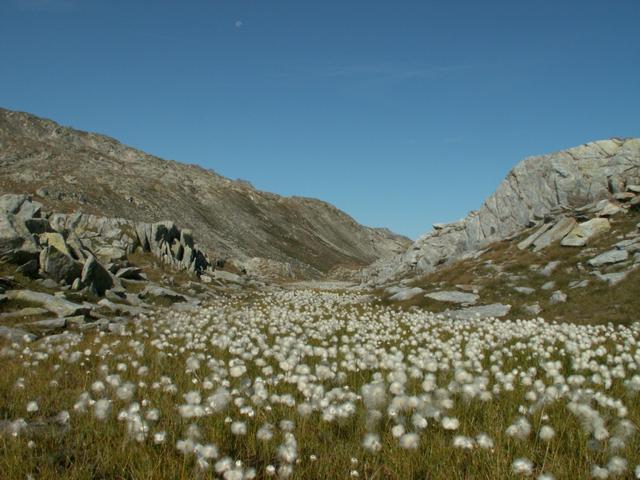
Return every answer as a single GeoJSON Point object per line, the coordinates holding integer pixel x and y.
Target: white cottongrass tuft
{"type": "Point", "coordinates": [450, 423]}
{"type": "Point", "coordinates": [465, 443]}
{"type": "Point", "coordinates": [546, 433]}
{"type": "Point", "coordinates": [101, 409]}
{"type": "Point", "coordinates": [239, 428]}
{"type": "Point", "coordinates": [522, 466]}
{"type": "Point", "coordinates": [484, 441]}
{"type": "Point", "coordinates": [372, 443]}
{"type": "Point", "coordinates": [409, 441]}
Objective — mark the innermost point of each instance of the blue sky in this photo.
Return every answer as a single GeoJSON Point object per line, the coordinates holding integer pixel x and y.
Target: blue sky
{"type": "Point", "coordinates": [401, 113]}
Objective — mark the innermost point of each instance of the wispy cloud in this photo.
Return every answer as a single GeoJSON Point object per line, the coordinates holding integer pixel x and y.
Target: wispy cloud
{"type": "Point", "coordinates": [239, 24]}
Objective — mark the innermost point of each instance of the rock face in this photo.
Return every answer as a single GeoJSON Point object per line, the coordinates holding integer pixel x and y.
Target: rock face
{"type": "Point", "coordinates": [68, 169]}
{"type": "Point", "coordinates": [537, 189]}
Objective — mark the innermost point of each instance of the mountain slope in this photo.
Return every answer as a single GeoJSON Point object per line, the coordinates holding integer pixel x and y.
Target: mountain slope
{"type": "Point", "coordinates": [536, 189]}
{"type": "Point", "coordinates": [70, 170]}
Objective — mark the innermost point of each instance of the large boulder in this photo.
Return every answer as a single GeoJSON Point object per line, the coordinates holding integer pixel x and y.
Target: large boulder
{"type": "Point", "coordinates": [555, 233]}
{"type": "Point", "coordinates": [406, 294]}
{"type": "Point", "coordinates": [583, 232]}
{"type": "Point", "coordinates": [453, 297]}
{"type": "Point", "coordinates": [55, 239]}
{"type": "Point", "coordinates": [609, 257]}
{"type": "Point", "coordinates": [96, 277]}
{"type": "Point", "coordinates": [20, 205]}
{"type": "Point", "coordinates": [16, 243]}
{"type": "Point", "coordinates": [59, 266]}
{"type": "Point", "coordinates": [16, 334]}
{"type": "Point", "coordinates": [110, 254]}
{"type": "Point", "coordinates": [54, 304]}
{"type": "Point", "coordinates": [495, 310]}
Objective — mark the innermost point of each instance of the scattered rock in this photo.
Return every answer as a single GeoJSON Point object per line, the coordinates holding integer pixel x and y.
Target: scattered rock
{"type": "Point", "coordinates": [110, 254]}
{"type": "Point", "coordinates": [579, 284]}
{"type": "Point", "coordinates": [16, 334]}
{"type": "Point", "coordinates": [624, 196]}
{"type": "Point", "coordinates": [609, 257]}
{"type": "Point", "coordinates": [49, 283]}
{"type": "Point", "coordinates": [20, 205]}
{"type": "Point", "coordinates": [24, 312]}
{"type": "Point", "coordinates": [548, 285]}
{"type": "Point", "coordinates": [122, 309]}
{"type": "Point", "coordinates": [52, 303]}
{"type": "Point", "coordinates": [496, 310]}
{"type": "Point", "coordinates": [555, 233]}
{"type": "Point", "coordinates": [59, 266]}
{"type": "Point", "coordinates": [29, 269]}
{"type": "Point", "coordinates": [130, 273]}
{"type": "Point", "coordinates": [468, 288]}
{"type": "Point", "coordinates": [625, 244]}
{"type": "Point", "coordinates": [582, 233]}
{"type": "Point", "coordinates": [549, 268]}
{"type": "Point", "coordinates": [453, 297]}
{"type": "Point", "coordinates": [116, 294]}
{"type": "Point", "coordinates": [154, 291]}
{"type": "Point", "coordinates": [55, 239]}
{"type": "Point", "coordinates": [611, 278]}
{"type": "Point", "coordinates": [227, 277]}
{"type": "Point", "coordinates": [95, 277]}
{"type": "Point", "coordinates": [605, 208]}
{"type": "Point", "coordinates": [527, 242]}
{"type": "Point", "coordinates": [524, 290]}
{"type": "Point", "coordinates": [533, 309]}
{"type": "Point", "coordinates": [48, 326]}
{"type": "Point", "coordinates": [406, 294]}
{"type": "Point", "coordinates": [16, 243]}
{"type": "Point", "coordinates": [558, 297]}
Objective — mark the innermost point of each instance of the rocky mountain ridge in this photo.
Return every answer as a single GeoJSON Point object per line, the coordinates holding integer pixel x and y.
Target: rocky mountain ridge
{"type": "Point", "coordinates": [537, 192]}
{"type": "Point", "coordinates": [69, 171]}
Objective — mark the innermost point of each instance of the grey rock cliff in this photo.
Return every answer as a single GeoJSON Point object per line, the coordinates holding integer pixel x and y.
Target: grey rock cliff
{"type": "Point", "coordinates": [538, 188]}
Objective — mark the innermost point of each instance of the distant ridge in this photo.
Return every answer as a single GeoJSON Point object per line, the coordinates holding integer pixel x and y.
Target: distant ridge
{"type": "Point", "coordinates": [69, 170]}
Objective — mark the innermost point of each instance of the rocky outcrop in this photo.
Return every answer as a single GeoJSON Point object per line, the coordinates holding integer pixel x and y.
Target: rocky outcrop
{"type": "Point", "coordinates": [596, 176]}
{"type": "Point", "coordinates": [68, 170]}
{"type": "Point", "coordinates": [79, 246]}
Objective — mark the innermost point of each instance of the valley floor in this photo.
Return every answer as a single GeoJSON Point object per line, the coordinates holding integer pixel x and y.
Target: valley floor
{"type": "Point", "coordinates": [316, 384]}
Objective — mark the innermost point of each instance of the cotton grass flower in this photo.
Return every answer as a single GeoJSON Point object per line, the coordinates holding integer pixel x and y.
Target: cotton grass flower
{"type": "Point", "coordinates": [522, 466]}
{"type": "Point", "coordinates": [450, 423]}
{"type": "Point", "coordinates": [239, 428]}
{"type": "Point", "coordinates": [409, 441]}
{"type": "Point", "coordinates": [462, 442]}
{"type": "Point", "coordinates": [372, 443]}
{"type": "Point", "coordinates": [546, 433]}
